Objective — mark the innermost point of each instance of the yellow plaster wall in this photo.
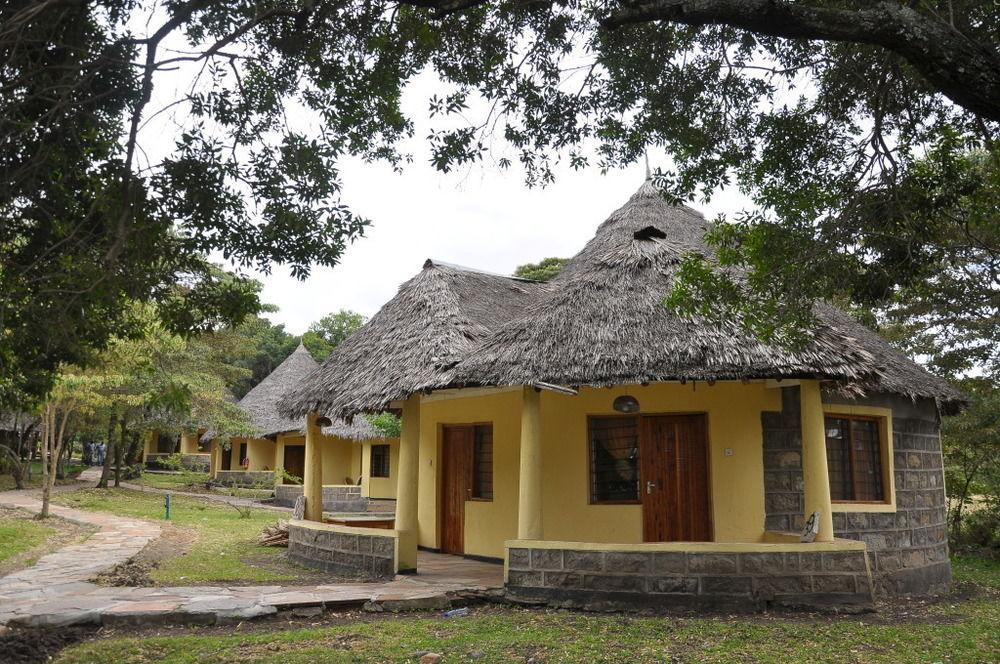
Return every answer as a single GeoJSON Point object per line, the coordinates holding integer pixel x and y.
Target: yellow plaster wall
{"type": "Point", "coordinates": [377, 487]}
{"type": "Point", "coordinates": [189, 442]}
{"type": "Point", "coordinates": [734, 421]}
{"type": "Point", "coordinates": [260, 451]}
{"type": "Point", "coordinates": [487, 524]}
{"type": "Point", "coordinates": [337, 453]}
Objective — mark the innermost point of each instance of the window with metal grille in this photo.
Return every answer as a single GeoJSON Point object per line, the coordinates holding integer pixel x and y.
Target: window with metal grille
{"type": "Point", "coordinates": [380, 461]}
{"type": "Point", "coordinates": [854, 458]}
{"type": "Point", "coordinates": [614, 459]}
{"type": "Point", "coordinates": [482, 462]}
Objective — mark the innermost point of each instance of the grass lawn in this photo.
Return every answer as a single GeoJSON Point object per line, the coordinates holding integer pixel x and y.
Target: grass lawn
{"type": "Point", "coordinates": [20, 535]}
{"type": "Point", "coordinates": [953, 630]}
{"type": "Point", "coordinates": [222, 546]}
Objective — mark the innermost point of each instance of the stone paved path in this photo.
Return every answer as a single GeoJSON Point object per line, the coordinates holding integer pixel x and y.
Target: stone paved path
{"type": "Point", "coordinates": [56, 591]}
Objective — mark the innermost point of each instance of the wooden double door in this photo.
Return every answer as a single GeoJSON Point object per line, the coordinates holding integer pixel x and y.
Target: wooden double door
{"type": "Point", "coordinates": [673, 478]}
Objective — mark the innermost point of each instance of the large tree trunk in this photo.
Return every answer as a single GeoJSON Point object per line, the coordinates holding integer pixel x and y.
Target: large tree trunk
{"type": "Point", "coordinates": [964, 69]}
{"type": "Point", "coordinates": [134, 450]}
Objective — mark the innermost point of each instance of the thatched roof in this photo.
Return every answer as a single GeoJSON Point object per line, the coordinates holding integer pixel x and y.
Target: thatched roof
{"type": "Point", "coordinates": [435, 320]}
{"type": "Point", "coordinates": [260, 403]}
{"type": "Point", "coordinates": [601, 321]}
{"type": "Point", "coordinates": [604, 323]}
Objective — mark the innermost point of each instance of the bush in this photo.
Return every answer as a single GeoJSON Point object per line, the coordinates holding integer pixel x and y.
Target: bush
{"type": "Point", "coordinates": [170, 462]}
{"type": "Point", "coordinates": [979, 532]}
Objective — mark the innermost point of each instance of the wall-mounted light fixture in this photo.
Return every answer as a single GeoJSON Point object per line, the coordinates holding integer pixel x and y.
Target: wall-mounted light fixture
{"type": "Point", "coordinates": [626, 404]}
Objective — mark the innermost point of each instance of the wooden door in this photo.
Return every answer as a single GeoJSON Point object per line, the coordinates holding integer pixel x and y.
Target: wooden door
{"type": "Point", "coordinates": [456, 486]}
{"type": "Point", "coordinates": [295, 460]}
{"type": "Point", "coordinates": [227, 458]}
{"type": "Point", "coordinates": [673, 453]}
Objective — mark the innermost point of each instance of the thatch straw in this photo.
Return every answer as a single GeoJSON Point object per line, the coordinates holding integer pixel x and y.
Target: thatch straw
{"type": "Point", "coordinates": [260, 403]}
{"type": "Point", "coordinates": [601, 322]}
{"type": "Point", "coordinates": [435, 320]}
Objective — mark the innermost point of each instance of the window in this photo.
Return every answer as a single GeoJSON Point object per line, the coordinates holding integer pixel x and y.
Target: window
{"type": "Point", "coordinates": [380, 461]}
{"type": "Point", "coordinates": [614, 459]}
{"type": "Point", "coordinates": [854, 457]}
{"type": "Point", "coordinates": [482, 462]}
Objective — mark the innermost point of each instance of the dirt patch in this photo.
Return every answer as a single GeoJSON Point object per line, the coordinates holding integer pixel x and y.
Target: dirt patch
{"type": "Point", "coordinates": [66, 533]}
{"type": "Point", "coordinates": [31, 646]}
{"type": "Point", "coordinates": [172, 542]}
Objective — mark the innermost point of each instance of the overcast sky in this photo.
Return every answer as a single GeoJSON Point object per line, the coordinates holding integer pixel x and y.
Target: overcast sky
{"type": "Point", "coordinates": [479, 217]}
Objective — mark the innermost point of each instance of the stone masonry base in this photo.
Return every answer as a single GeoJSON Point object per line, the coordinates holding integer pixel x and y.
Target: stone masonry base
{"type": "Point", "coordinates": [343, 550]}
{"type": "Point", "coordinates": [729, 581]}
{"type": "Point", "coordinates": [335, 498]}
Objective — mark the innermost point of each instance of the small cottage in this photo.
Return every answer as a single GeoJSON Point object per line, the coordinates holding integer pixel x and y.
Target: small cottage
{"type": "Point", "coordinates": [609, 452]}
{"type": "Point", "coordinates": [354, 461]}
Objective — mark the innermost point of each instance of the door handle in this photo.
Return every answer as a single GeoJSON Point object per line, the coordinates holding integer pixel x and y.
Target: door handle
{"type": "Point", "coordinates": [650, 486]}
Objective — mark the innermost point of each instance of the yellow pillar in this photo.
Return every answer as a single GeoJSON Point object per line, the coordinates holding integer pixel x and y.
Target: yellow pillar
{"type": "Point", "coordinates": [213, 457]}
{"type": "Point", "coordinates": [313, 481]}
{"type": "Point", "coordinates": [279, 459]}
{"type": "Point", "coordinates": [529, 499]}
{"type": "Point", "coordinates": [815, 474]}
{"type": "Point", "coordinates": [189, 442]}
{"type": "Point", "coordinates": [406, 485]}
{"type": "Point", "coordinates": [149, 447]}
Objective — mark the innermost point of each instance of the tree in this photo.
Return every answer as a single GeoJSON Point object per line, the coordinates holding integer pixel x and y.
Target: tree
{"type": "Point", "coordinates": [264, 346]}
{"type": "Point", "coordinates": [818, 111]}
{"type": "Point", "coordinates": [972, 454]}
{"type": "Point", "coordinates": [544, 270]}
{"type": "Point", "coordinates": [18, 439]}
{"type": "Point", "coordinates": [329, 331]}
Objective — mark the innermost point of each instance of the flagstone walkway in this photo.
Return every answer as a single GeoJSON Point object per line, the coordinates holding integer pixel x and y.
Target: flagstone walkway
{"type": "Point", "coordinates": [57, 590]}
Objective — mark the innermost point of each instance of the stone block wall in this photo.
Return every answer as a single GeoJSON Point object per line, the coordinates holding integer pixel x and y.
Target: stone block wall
{"type": "Point", "coordinates": [744, 581]}
{"type": "Point", "coordinates": [343, 550]}
{"type": "Point", "coordinates": [335, 498]}
{"type": "Point", "coordinates": [246, 478]}
{"type": "Point", "coordinates": [196, 462]}
{"type": "Point", "coordinates": [908, 548]}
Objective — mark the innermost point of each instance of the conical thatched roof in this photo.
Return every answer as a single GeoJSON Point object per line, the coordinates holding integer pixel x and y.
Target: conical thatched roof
{"type": "Point", "coordinates": [600, 322]}
{"type": "Point", "coordinates": [435, 320]}
{"type": "Point", "coordinates": [260, 403]}
{"type": "Point", "coordinates": [604, 323]}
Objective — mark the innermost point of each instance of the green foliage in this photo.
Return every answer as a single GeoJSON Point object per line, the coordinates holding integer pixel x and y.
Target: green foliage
{"type": "Point", "coordinates": [823, 126]}
{"type": "Point", "coordinates": [171, 461]}
{"type": "Point", "coordinates": [264, 345]}
{"type": "Point", "coordinates": [971, 444]}
{"type": "Point", "coordinates": [544, 270]}
{"type": "Point", "coordinates": [386, 424]}
{"type": "Point", "coordinates": [282, 476]}
{"type": "Point", "coordinates": [329, 331]}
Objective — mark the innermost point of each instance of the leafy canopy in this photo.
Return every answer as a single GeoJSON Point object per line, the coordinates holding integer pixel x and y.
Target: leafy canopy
{"type": "Point", "coordinates": [819, 111]}
{"type": "Point", "coordinates": [329, 331]}
{"type": "Point", "coordinates": [543, 270]}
